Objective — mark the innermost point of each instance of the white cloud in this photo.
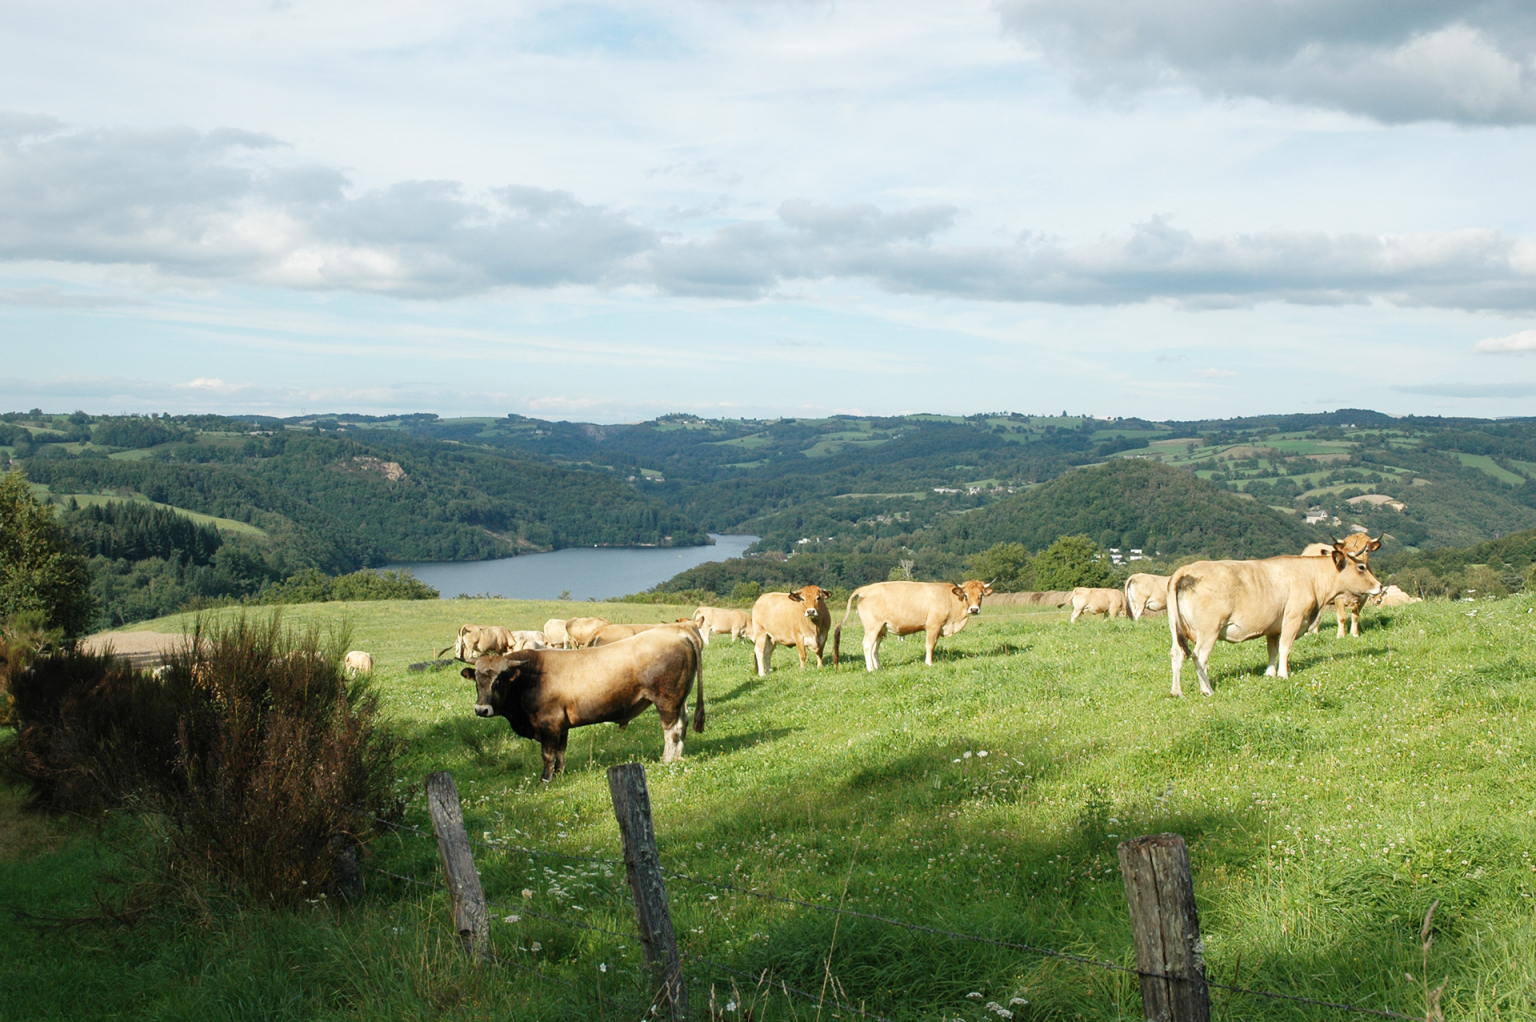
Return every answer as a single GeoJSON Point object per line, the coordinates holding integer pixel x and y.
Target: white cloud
{"type": "Point", "coordinates": [1521, 343]}
{"type": "Point", "coordinates": [1215, 374]}
{"type": "Point", "coordinates": [1465, 61]}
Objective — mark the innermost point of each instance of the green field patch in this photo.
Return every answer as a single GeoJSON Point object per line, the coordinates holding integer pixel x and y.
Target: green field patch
{"type": "Point", "coordinates": [222, 524]}
{"type": "Point", "coordinates": [1486, 464]}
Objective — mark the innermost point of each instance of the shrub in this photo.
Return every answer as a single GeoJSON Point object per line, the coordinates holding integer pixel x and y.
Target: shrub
{"type": "Point", "coordinates": [263, 757]}
{"type": "Point", "coordinates": [39, 569]}
{"type": "Point", "coordinates": [314, 586]}
{"type": "Point", "coordinates": [1006, 565]}
{"type": "Point", "coordinates": [1070, 562]}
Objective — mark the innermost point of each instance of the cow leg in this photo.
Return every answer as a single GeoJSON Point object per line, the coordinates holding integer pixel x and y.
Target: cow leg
{"type": "Point", "coordinates": [1354, 623]}
{"type": "Point", "coordinates": [1202, 662]}
{"type": "Point", "coordinates": [1272, 643]}
{"type": "Point", "coordinates": [932, 641]}
{"type": "Point", "coordinates": [872, 637]}
{"type": "Point", "coordinates": [762, 651]}
{"type": "Point", "coordinates": [800, 648]}
{"type": "Point", "coordinates": [1340, 611]}
{"type": "Point", "coordinates": [1176, 659]}
{"type": "Point", "coordinates": [706, 634]}
{"type": "Point", "coordinates": [673, 727]}
{"type": "Point", "coordinates": [1076, 613]}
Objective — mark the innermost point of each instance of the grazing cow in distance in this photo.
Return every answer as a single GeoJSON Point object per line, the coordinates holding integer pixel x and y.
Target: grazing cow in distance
{"type": "Point", "coordinates": [528, 640]}
{"type": "Point", "coordinates": [1359, 544]}
{"type": "Point", "coordinates": [477, 640]}
{"type": "Point", "coordinates": [734, 623]}
{"type": "Point", "coordinates": [1087, 600]}
{"type": "Point", "coordinates": [358, 662]}
{"type": "Point", "coordinates": [800, 619]}
{"type": "Point", "coordinates": [904, 608]}
{"type": "Point", "coordinates": [579, 630]}
{"type": "Point", "coordinates": [1392, 596]}
{"type": "Point", "coordinates": [610, 633]}
{"type": "Point", "coordinates": [1146, 594]}
{"type": "Point", "coordinates": [545, 693]}
{"type": "Point", "coordinates": [1241, 600]}
{"type": "Point", "coordinates": [554, 632]}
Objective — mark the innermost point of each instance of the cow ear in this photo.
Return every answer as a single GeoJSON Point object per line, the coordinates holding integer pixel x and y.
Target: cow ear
{"type": "Point", "coordinates": [797, 597]}
{"type": "Point", "coordinates": [957, 590]}
{"type": "Point", "coordinates": [1375, 545]}
{"type": "Point", "coordinates": [1340, 560]}
{"type": "Point", "coordinates": [468, 672]}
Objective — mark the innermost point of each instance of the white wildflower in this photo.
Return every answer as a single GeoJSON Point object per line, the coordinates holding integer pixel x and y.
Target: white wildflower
{"type": "Point", "coordinates": [974, 995]}
{"type": "Point", "coordinates": [512, 919]}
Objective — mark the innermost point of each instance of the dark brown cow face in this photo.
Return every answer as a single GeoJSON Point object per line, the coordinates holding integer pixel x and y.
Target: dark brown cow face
{"type": "Point", "coordinates": [493, 677]}
{"type": "Point", "coordinates": [970, 594]}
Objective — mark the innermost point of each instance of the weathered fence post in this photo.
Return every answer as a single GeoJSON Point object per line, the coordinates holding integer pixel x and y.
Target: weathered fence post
{"type": "Point", "coordinates": [470, 919]}
{"type": "Point", "coordinates": [1162, 898]}
{"type": "Point", "coordinates": [632, 807]}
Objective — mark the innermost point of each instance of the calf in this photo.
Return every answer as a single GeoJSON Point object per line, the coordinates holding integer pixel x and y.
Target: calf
{"type": "Point", "coordinates": [545, 693]}
{"type": "Point", "coordinates": [1241, 600]}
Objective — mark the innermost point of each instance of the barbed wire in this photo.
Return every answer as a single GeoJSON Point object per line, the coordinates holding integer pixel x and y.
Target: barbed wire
{"type": "Point", "coordinates": [498, 846]}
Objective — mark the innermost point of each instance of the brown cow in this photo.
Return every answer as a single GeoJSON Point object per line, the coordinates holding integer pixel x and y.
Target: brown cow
{"type": "Point", "coordinates": [1146, 594]}
{"type": "Point", "coordinates": [579, 630]}
{"type": "Point", "coordinates": [477, 640]}
{"type": "Point", "coordinates": [734, 623]}
{"type": "Point", "coordinates": [903, 608]}
{"type": "Point", "coordinates": [1087, 600]}
{"type": "Point", "coordinates": [1359, 544]}
{"type": "Point", "coordinates": [1241, 600]}
{"type": "Point", "coordinates": [545, 693]}
{"type": "Point", "coordinates": [798, 619]}
{"type": "Point", "coordinates": [554, 633]}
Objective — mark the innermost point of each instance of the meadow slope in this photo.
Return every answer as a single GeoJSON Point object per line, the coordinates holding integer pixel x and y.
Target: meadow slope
{"type": "Point", "coordinates": [986, 795]}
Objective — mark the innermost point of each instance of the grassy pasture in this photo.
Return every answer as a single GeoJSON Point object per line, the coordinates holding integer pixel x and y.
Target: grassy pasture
{"type": "Point", "coordinates": [985, 795]}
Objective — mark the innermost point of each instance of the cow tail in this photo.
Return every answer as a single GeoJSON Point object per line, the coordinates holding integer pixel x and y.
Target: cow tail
{"type": "Point", "coordinates": [837, 634]}
{"type": "Point", "coordinates": [1175, 619]}
{"type": "Point", "coordinates": [444, 650]}
{"type": "Point", "coordinates": [698, 701]}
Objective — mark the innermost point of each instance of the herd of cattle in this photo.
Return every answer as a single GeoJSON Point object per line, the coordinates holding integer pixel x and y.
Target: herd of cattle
{"type": "Point", "coordinates": [588, 670]}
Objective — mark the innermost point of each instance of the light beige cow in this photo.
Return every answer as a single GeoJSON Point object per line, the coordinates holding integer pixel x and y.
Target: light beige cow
{"type": "Point", "coordinates": [579, 630]}
{"type": "Point", "coordinates": [554, 632]}
{"type": "Point", "coordinates": [905, 608]}
{"type": "Point", "coordinates": [1392, 596]}
{"type": "Point", "coordinates": [1146, 594]}
{"type": "Point", "coordinates": [1240, 600]}
{"type": "Point", "coordinates": [734, 623]}
{"type": "Point", "coordinates": [522, 640]}
{"type": "Point", "coordinates": [1087, 600]}
{"type": "Point", "coordinates": [478, 640]}
{"type": "Point", "coordinates": [800, 619]}
{"type": "Point", "coordinates": [357, 662]}
{"type": "Point", "coordinates": [1359, 544]}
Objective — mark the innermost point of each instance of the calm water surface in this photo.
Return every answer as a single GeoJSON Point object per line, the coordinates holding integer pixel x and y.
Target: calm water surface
{"type": "Point", "coordinates": [596, 572]}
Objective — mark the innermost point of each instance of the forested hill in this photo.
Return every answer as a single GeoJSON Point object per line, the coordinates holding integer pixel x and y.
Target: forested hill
{"type": "Point", "coordinates": [1137, 504]}
{"type": "Point", "coordinates": [339, 503]}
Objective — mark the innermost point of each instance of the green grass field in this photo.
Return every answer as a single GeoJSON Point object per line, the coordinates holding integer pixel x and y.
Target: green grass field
{"type": "Point", "coordinates": [986, 795]}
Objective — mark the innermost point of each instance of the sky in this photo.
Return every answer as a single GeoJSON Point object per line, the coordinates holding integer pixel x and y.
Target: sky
{"type": "Point", "coordinates": [608, 212]}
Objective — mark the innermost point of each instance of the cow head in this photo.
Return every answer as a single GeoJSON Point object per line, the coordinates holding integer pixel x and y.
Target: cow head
{"type": "Point", "coordinates": [970, 594]}
{"type": "Point", "coordinates": [495, 679]}
{"type": "Point", "coordinates": [1355, 573]}
{"type": "Point", "coordinates": [810, 596]}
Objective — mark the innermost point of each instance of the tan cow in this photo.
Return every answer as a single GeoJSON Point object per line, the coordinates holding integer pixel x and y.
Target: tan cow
{"type": "Point", "coordinates": [478, 640]}
{"type": "Point", "coordinates": [528, 640]}
{"type": "Point", "coordinates": [904, 608]}
{"type": "Point", "coordinates": [554, 633]}
{"type": "Point", "coordinates": [611, 633]}
{"type": "Point", "coordinates": [1146, 594]}
{"type": "Point", "coordinates": [1392, 596]}
{"type": "Point", "coordinates": [1359, 544]}
{"type": "Point", "coordinates": [358, 662]}
{"type": "Point", "coordinates": [1241, 600]}
{"type": "Point", "coordinates": [545, 693]}
{"type": "Point", "coordinates": [734, 623]}
{"type": "Point", "coordinates": [798, 619]}
{"type": "Point", "coordinates": [579, 630]}
{"type": "Point", "coordinates": [1087, 600]}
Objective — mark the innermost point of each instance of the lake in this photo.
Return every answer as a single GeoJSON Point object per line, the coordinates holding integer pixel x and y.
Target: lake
{"type": "Point", "coordinates": [588, 572]}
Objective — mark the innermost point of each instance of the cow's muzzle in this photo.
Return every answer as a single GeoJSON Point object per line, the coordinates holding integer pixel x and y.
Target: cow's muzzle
{"type": "Point", "coordinates": [482, 710]}
{"type": "Point", "coordinates": [973, 610]}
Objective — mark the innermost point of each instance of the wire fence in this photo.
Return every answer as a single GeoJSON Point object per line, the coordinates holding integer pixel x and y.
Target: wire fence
{"type": "Point", "coordinates": [762, 978]}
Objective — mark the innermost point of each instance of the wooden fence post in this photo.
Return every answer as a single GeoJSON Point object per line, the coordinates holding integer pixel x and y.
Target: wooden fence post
{"type": "Point", "coordinates": [1162, 899]}
{"type": "Point", "coordinates": [470, 918]}
{"type": "Point", "coordinates": [632, 807]}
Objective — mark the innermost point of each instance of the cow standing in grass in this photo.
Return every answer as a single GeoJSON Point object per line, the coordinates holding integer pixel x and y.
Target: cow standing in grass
{"type": "Point", "coordinates": [1087, 600]}
{"type": "Point", "coordinates": [1146, 594]}
{"type": "Point", "coordinates": [1240, 600]}
{"type": "Point", "coordinates": [904, 608]}
{"type": "Point", "coordinates": [545, 693]}
{"type": "Point", "coordinates": [1360, 544]}
{"type": "Point", "coordinates": [800, 619]}
{"type": "Point", "coordinates": [734, 623]}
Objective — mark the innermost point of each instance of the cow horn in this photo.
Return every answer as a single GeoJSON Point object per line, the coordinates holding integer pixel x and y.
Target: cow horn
{"type": "Point", "coordinates": [989, 584]}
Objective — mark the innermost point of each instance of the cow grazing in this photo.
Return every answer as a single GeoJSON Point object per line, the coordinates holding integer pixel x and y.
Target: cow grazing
{"type": "Point", "coordinates": [734, 623]}
{"type": "Point", "coordinates": [358, 662]}
{"type": "Point", "coordinates": [477, 640]}
{"type": "Point", "coordinates": [1392, 596]}
{"type": "Point", "coordinates": [545, 693]}
{"type": "Point", "coordinates": [554, 633]}
{"type": "Point", "coordinates": [579, 630]}
{"type": "Point", "coordinates": [528, 639]}
{"type": "Point", "coordinates": [1086, 600]}
{"type": "Point", "coordinates": [1359, 544]}
{"type": "Point", "coordinates": [798, 619]}
{"type": "Point", "coordinates": [611, 633]}
{"type": "Point", "coordinates": [904, 608]}
{"type": "Point", "coordinates": [1241, 600]}
{"type": "Point", "coordinates": [1146, 594]}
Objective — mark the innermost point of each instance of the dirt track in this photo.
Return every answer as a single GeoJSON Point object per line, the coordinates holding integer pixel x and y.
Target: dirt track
{"type": "Point", "coordinates": [141, 649]}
